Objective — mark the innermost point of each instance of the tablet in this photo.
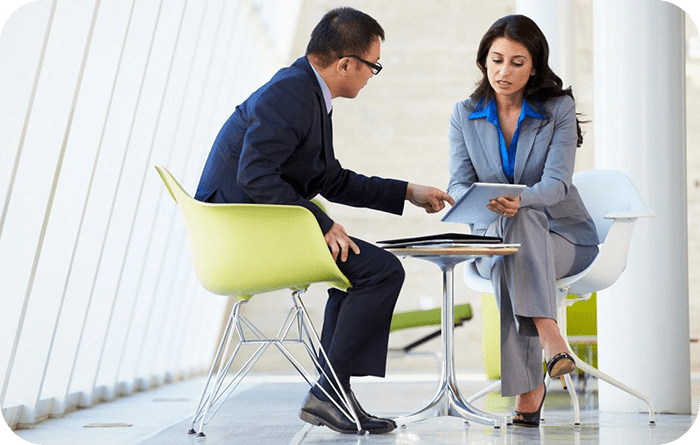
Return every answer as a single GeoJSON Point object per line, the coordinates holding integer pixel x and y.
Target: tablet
{"type": "Point", "coordinates": [471, 208]}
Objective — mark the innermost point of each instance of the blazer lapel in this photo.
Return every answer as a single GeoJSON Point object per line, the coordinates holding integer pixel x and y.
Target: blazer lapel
{"type": "Point", "coordinates": [328, 134]}
{"type": "Point", "coordinates": [325, 117]}
{"type": "Point", "coordinates": [528, 131]}
{"type": "Point", "coordinates": [488, 136]}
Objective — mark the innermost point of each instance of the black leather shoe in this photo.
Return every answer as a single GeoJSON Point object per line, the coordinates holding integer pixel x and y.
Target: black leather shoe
{"type": "Point", "coordinates": [318, 412]}
{"type": "Point", "coordinates": [368, 421]}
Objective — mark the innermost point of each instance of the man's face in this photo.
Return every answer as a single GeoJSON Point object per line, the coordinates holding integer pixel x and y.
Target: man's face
{"type": "Point", "coordinates": [359, 72]}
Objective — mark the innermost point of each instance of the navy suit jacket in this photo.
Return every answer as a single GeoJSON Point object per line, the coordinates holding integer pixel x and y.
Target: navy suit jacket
{"type": "Point", "coordinates": [277, 148]}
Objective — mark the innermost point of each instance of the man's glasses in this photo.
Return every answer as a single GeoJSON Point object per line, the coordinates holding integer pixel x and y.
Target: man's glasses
{"type": "Point", "coordinates": [376, 67]}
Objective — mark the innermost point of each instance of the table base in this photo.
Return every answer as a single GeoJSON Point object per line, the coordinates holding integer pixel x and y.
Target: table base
{"type": "Point", "coordinates": [448, 401]}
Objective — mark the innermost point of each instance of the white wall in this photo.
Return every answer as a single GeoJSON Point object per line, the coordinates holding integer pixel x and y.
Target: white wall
{"type": "Point", "coordinates": [98, 295]}
{"type": "Point", "coordinates": [113, 263]}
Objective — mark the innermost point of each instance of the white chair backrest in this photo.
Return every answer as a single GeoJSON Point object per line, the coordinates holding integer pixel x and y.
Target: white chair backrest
{"type": "Point", "coordinates": [605, 192]}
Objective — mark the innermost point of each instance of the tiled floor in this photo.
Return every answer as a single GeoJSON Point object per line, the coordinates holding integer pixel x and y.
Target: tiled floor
{"type": "Point", "coordinates": [263, 410]}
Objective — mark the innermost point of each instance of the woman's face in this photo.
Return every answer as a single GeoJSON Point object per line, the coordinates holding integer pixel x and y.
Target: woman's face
{"type": "Point", "coordinates": [508, 67]}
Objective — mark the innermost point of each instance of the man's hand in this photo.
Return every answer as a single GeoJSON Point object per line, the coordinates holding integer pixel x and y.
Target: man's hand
{"type": "Point", "coordinates": [339, 242]}
{"type": "Point", "coordinates": [429, 198]}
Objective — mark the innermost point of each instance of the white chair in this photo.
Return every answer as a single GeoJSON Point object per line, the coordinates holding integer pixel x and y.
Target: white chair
{"type": "Point", "coordinates": [615, 205]}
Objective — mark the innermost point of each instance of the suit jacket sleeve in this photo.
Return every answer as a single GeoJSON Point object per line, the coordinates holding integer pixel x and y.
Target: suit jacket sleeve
{"type": "Point", "coordinates": [555, 182]}
{"type": "Point", "coordinates": [461, 169]}
{"type": "Point", "coordinates": [347, 187]}
{"type": "Point", "coordinates": [277, 129]}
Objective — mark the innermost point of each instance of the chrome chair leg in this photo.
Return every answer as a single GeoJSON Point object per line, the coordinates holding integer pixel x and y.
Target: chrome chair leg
{"type": "Point", "coordinates": [218, 358]}
{"type": "Point", "coordinates": [314, 344]}
{"type": "Point", "coordinates": [215, 390]}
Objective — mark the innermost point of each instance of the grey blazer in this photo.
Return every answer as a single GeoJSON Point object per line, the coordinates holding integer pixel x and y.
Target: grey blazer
{"type": "Point", "coordinates": [544, 162]}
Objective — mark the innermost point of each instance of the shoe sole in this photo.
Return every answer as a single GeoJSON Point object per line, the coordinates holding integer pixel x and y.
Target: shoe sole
{"type": "Point", "coordinates": [522, 424]}
{"type": "Point", "coordinates": [562, 367]}
{"type": "Point", "coordinates": [317, 421]}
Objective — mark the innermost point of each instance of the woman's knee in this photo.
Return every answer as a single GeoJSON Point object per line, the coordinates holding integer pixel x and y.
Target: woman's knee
{"type": "Point", "coordinates": [527, 220]}
{"type": "Point", "coordinates": [530, 214]}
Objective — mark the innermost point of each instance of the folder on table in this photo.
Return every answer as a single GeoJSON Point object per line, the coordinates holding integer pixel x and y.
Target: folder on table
{"type": "Point", "coordinates": [441, 239]}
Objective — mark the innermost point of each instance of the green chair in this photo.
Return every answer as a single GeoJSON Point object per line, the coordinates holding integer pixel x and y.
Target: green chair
{"type": "Point", "coordinates": [426, 317]}
{"type": "Point", "coordinates": [240, 250]}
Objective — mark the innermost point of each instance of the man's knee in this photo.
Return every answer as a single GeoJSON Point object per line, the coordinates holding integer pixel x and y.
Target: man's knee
{"type": "Point", "coordinates": [394, 270]}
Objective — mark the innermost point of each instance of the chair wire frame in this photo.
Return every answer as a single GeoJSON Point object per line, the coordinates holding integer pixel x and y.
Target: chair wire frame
{"type": "Point", "coordinates": [562, 303]}
{"type": "Point", "coordinates": [216, 390]}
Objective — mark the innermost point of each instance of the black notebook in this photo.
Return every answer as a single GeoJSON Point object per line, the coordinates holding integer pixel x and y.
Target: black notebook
{"type": "Point", "coordinates": [442, 239]}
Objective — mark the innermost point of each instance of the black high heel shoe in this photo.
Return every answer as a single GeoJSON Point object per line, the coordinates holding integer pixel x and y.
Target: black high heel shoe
{"type": "Point", "coordinates": [531, 420]}
{"type": "Point", "coordinates": [561, 364]}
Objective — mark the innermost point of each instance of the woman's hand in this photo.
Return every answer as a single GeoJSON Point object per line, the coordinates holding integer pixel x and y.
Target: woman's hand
{"type": "Point", "coordinates": [505, 205]}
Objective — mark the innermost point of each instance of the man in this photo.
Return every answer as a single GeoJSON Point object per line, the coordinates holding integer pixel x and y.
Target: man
{"type": "Point", "coordinates": [277, 148]}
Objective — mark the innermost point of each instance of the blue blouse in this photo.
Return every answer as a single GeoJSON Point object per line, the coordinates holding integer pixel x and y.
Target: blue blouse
{"type": "Point", "coordinates": [490, 112]}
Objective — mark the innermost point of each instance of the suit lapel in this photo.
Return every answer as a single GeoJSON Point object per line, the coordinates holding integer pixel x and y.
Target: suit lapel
{"type": "Point", "coordinates": [328, 134]}
{"type": "Point", "coordinates": [488, 136]}
{"type": "Point", "coordinates": [325, 117]}
{"type": "Point", "coordinates": [528, 131]}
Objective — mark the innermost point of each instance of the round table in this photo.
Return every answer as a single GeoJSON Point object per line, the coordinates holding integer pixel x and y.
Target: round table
{"type": "Point", "coordinates": [448, 400]}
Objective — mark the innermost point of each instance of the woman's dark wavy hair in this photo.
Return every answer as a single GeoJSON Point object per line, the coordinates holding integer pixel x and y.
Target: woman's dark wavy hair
{"type": "Point", "coordinates": [343, 32]}
{"type": "Point", "coordinates": [541, 86]}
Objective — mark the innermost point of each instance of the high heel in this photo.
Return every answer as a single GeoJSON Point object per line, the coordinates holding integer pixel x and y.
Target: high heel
{"type": "Point", "coordinates": [561, 364]}
{"type": "Point", "coordinates": [531, 420]}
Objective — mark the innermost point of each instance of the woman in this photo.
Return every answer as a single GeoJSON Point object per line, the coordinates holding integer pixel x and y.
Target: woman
{"type": "Point", "coordinates": [519, 126]}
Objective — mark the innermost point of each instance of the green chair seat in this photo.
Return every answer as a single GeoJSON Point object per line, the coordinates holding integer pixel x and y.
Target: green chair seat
{"type": "Point", "coordinates": [428, 317]}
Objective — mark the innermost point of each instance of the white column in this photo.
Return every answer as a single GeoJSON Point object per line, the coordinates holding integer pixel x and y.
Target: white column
{"type": "Point", "coordinates": [556, 20]}
{"type": "Point", "coordinates": [639, 122]}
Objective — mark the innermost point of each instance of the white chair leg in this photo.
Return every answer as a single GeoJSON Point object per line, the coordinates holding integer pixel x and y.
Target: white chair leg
{"type": "Point", "coordinates": [572, 396]}
{"type": "Point", "coordinates": [602, 376]}
{"type": "Point", "coordinates": [571, 388]}
{"type": "Point", "coordinates": [561, 322]}
{"type": "Point", "coordinates": [585, 367]}
{"type": "Point", "coordinates": [495, 386]}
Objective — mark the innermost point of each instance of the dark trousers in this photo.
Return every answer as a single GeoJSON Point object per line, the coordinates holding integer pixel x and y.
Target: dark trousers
{"type": "Point", "coordinates": [356, 323]}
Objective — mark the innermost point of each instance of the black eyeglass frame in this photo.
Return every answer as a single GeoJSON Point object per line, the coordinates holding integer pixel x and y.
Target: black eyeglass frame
{"type": "Point", "coordinates": [376, 67]}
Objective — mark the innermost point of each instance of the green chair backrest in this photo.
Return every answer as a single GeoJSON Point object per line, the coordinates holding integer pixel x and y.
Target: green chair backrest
{"type": "Point", "coordinates": [244, 249]}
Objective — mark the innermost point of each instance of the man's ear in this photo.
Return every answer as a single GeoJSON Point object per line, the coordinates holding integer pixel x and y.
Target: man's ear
{"type": "Point", "coordinates": [343, 66]}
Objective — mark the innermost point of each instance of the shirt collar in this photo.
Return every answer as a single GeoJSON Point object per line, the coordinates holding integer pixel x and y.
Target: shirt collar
{"type": "Point", "coordinates": [324, 89]}
{"type": "Point", "coordinates": [490, 112]}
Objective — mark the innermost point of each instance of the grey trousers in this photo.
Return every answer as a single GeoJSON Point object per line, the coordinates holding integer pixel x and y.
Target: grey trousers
{"type": "Point", "coordinates": [524, 285]}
